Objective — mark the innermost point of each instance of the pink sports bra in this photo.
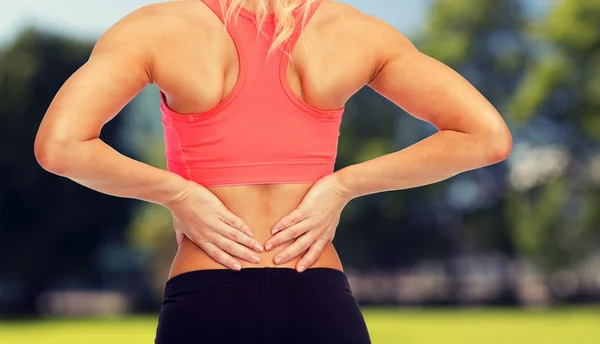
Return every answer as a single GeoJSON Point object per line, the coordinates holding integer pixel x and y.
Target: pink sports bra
{"type": "Point", "coordinates": [261, 132]}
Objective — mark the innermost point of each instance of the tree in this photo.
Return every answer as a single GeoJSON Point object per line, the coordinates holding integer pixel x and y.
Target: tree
{"type": "Point", "coordinates": [554, 214]}
{"type": "Point", "coordinates": [50, 227]}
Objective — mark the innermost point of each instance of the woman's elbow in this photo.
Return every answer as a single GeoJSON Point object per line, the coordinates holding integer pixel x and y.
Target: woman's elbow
{"type": "Point", "coordinates": [49, 153]}
{"type": "Point", "coordinates": [498, 143]}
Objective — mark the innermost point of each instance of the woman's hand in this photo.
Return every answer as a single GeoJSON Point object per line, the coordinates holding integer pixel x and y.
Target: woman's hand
{"type": "Point", "coordinates": [200, 216]}
{"type": "Point", "coordinates": [312, 224]}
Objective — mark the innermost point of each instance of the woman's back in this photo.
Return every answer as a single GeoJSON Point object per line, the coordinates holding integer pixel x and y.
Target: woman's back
{"type": "Point", "coordinates": [196, 64]}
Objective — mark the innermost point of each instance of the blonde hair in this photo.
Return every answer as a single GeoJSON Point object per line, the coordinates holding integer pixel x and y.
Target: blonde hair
{"type": "Point", "coordinates": [285, 22]}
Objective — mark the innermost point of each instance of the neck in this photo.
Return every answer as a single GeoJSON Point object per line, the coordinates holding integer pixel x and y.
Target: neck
{"type": "Point", "coordinates": [252, 5]}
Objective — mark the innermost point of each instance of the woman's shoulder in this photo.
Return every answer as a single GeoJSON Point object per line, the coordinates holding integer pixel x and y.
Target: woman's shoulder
{"type": "Point", "coordinates": [355, 29]}
{"type": "Point", "coordinates": [159, 22]}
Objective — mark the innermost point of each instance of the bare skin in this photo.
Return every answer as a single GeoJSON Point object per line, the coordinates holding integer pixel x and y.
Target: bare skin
{"type": "Point", "coordinates": [345, 50]}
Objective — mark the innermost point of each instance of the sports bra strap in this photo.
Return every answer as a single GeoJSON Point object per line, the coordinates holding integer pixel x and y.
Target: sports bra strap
{"type": "Point", "coordinates": [215, 6]}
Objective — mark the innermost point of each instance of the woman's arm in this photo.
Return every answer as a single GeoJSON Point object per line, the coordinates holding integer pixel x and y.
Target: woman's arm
{"type": "Point", "coordinates": [471, 135]}
{"type": "Point", "coordinates": [471, 132]}
{"type": "Point", "coordinates": [68, 142]}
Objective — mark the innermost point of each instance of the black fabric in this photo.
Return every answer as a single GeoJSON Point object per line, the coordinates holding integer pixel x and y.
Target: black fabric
{"type": "Point", "coordinates": [261, 305]}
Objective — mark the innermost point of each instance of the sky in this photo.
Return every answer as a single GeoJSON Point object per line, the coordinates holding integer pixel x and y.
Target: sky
{"type": "Point", "coordinates": [88, 19]}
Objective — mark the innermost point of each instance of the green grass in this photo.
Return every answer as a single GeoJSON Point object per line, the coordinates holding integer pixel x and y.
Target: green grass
{"type": "Point", "coordinates": [567, 326]}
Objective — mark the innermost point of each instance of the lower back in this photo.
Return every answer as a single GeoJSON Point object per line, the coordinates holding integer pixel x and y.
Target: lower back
{"type": "Point", "coordinates": [260, 206]}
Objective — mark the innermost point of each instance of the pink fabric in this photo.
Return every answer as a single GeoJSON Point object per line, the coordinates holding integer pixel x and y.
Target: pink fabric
{"type": "Point", "coordinates": [261, 132]}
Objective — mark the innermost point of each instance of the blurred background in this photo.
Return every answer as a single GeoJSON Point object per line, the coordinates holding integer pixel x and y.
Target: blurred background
{"type": "Point", "coordinates": [508, 252]}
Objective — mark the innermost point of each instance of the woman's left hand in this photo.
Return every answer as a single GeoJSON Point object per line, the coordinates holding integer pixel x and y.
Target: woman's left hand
{"type": "Point", "coordinates": [312, 224]}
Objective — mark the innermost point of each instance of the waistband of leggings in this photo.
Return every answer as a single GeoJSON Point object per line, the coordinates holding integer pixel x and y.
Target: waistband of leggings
{"type": "Point", "coordinates": [264, 276]}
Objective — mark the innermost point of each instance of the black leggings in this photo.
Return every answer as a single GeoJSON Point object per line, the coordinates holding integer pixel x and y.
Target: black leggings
{"type": "Point", "coordinates": [261, 305]}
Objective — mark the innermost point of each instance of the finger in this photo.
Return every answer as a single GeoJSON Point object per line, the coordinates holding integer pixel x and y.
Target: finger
{"type": "Point", "coordinates": [236, 222]}
{"type": "Point", "coordinates": [220, 256]}
{"type": "Point", "coordinates": [287, 234]}
{"type": "Point", "coordinates": [314, 252]}
{"type": "Point", "coordinates": [294, 250]}
{"type": "Point", "coordinates": [289, 220]}
{"type": "Point", "coordinates": [235, 249]}
{"type": "Point", "coordinates": [235, 235]}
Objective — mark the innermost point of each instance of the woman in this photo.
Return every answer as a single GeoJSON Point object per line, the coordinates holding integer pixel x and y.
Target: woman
{"type": "Point", "coordinates": [251, 125]}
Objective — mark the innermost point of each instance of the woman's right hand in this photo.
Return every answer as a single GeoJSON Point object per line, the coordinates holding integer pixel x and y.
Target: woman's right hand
{"type": "Point", "coordinates": [200, 216]}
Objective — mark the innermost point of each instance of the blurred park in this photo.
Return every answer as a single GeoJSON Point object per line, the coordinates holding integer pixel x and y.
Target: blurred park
{"type": "Point", "coordinates": [508, 253]}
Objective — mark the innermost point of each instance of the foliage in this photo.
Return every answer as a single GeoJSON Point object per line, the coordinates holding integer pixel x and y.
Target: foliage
{"type": "Point", "coordinates": [50, 226]}
{"type": "Point", "coordinates": [557, 104]}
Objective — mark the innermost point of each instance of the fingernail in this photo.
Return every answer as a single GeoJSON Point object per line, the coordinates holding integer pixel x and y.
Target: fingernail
{"type": "Point", "coordinates": [258, 247]}
{"type": "Point", "coordinates": [278, 260]}
{"type": "Point", "coordinates": [269, 247]}
{"type": "Point", "coordinates": [301, 268]}
{"type": "Point", "coordinates": [275, 230]}
{"type": "Point", "coordinates": [255, 259]}
{"type": "Point", "coordinates": [238, 267]}
{"type": "Point", "coordinates": [249, 234]}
